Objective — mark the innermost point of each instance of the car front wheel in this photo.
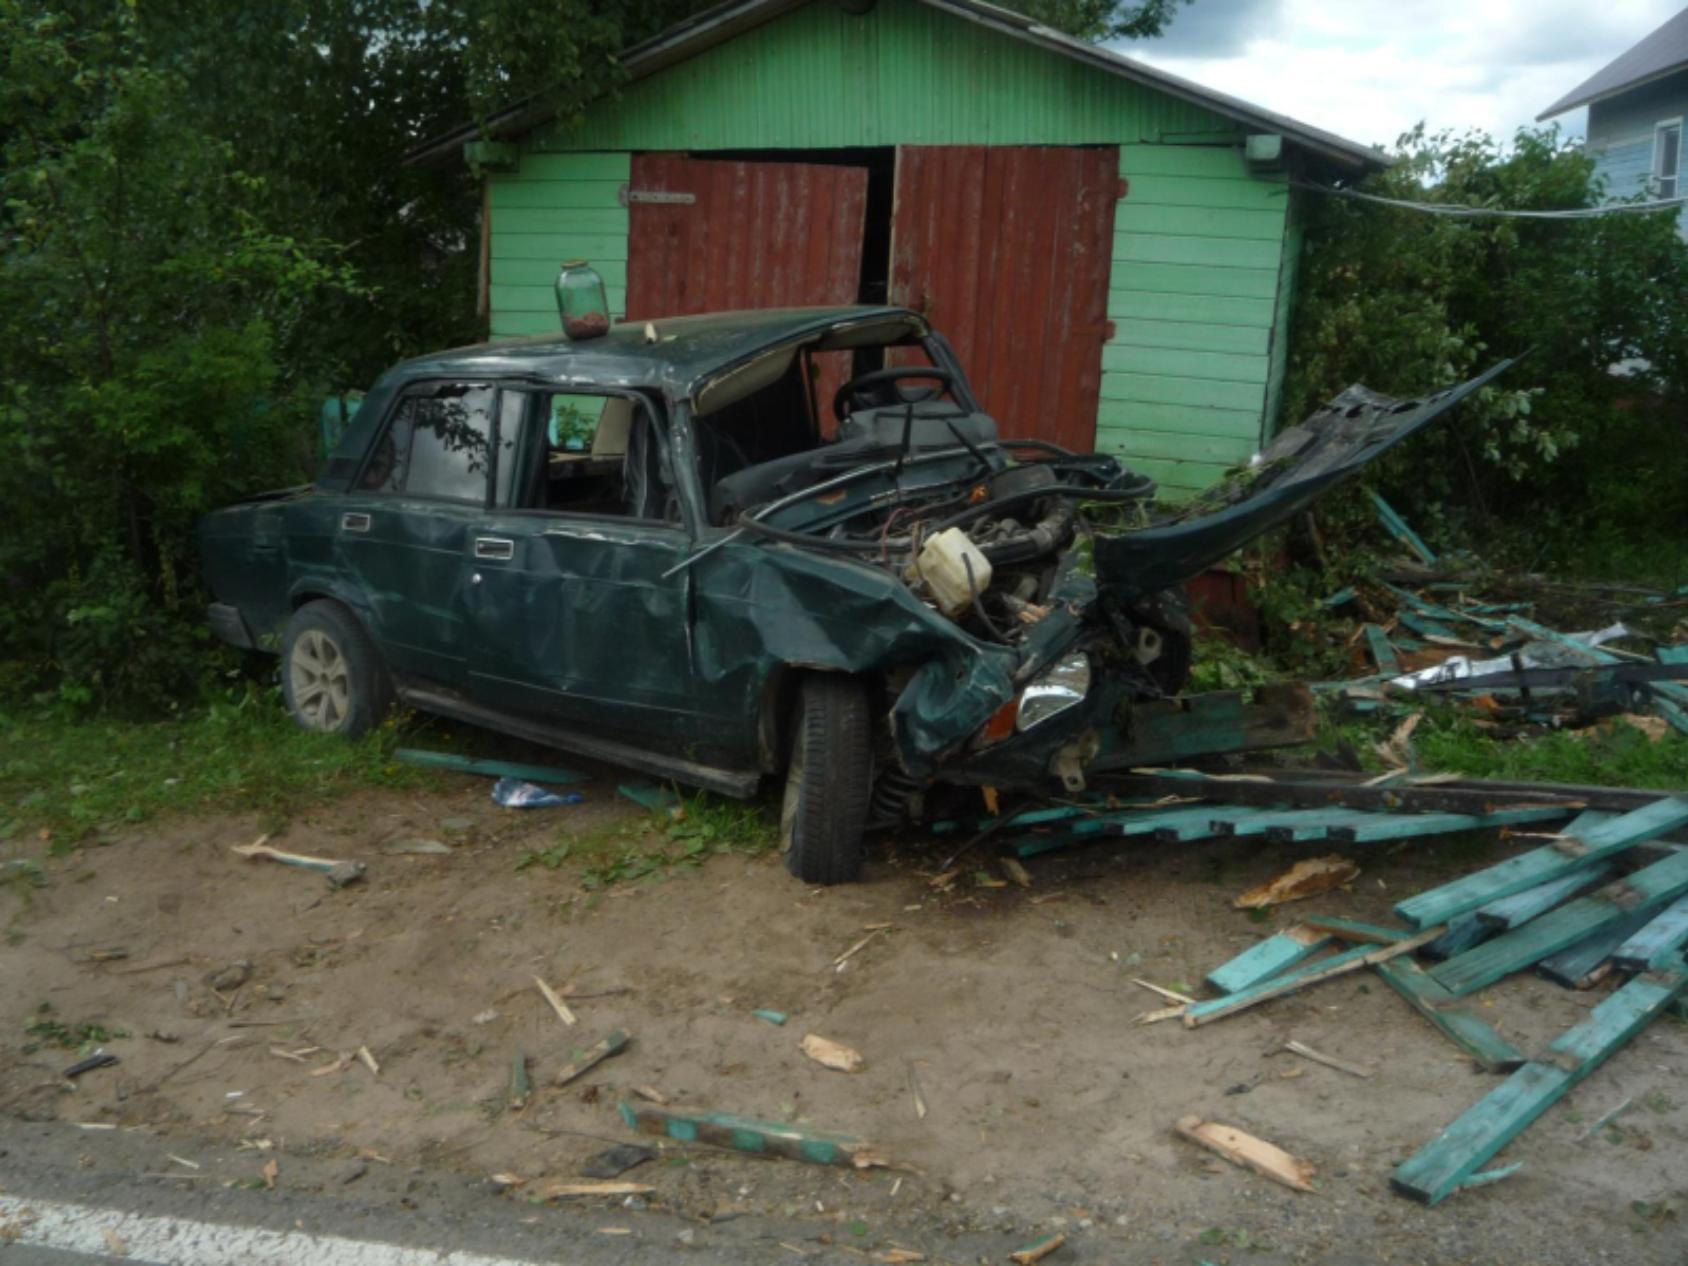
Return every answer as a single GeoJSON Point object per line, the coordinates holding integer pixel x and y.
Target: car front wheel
{"type": "Point", "coordinates": [827, 781]}
{"type": "Point", "coordinates": [331, 674]}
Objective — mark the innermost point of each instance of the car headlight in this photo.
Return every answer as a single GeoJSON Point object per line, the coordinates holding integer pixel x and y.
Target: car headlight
{"type": "Point", "coordinates": [1062, 685]}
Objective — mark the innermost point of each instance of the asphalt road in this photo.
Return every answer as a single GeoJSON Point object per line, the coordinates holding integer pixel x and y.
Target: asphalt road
{"type": "Point", "coordinates": [74, 1195]}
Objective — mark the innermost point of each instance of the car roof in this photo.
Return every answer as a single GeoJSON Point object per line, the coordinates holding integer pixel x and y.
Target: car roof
{"type": "Point", "coordinates": [687, 350]}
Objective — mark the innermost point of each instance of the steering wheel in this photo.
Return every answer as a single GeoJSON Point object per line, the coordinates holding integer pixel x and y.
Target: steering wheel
{"type": "Point", "coordinates": [896, 374]}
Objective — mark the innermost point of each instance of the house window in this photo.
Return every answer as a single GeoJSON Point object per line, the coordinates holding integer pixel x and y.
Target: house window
{"type": "Point", "coordinates": [1667, 158]}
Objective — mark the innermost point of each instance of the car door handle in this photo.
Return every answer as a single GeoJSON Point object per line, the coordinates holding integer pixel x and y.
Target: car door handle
{"type": "Point", "coordinates": [353, 521]}
{"type": "Point", "coordinates": [495, 548]}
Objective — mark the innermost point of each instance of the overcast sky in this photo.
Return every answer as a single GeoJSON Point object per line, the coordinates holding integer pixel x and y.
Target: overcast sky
{"type": "Point", "coordinates": [1370, 69]}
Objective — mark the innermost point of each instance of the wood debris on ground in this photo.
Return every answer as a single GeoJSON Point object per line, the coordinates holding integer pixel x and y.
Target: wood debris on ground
{"type": "Point", "coordinates": [1307, 878]}
{"type": "Point", "coordinates": [555, 1002]}
{"type": "Point", "coordinates": [1038, 1249]}
{"type": "Point", "coordinates": [831, 1054]}
{"type": "Point", "coordinates": [611, 1044]}
{"type": "Point", "coordinates": [1240, 1148]}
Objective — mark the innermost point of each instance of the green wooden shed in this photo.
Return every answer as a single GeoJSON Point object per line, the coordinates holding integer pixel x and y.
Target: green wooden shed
{"type": "Point", "coordinates": [1111, 249]}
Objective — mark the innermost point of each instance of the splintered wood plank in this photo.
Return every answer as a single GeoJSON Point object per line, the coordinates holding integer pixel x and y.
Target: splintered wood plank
{"type": "Point", "coordinates": [1464, 932]}
{"type": "Point", "coordinates": [1465, 1029]}
{"type": "Point", "coordinates": [1521, 907]}
{"type": "Point", "coordinates": [1266, 1159]}
{"type": "Point", "coordinates": [1589, 961]}
{"type": "Point", "coordinates": [1383, 654]}
{"type": "Point", "coordinates": [1262, 961]}
{"type": "Point", "coordinates": [1453, 1158]}
{"type": "Point", "coordinates": [1564, 927]}
{"type": "Point", "coordinates": [1665, 933]}
{"type": "Point", "coordinates": [1578, 849]}
{"type": "Point", "coordinates": [745, 1134]}
{"type": "Point", "coordinates": [1355, 930]}
{"type": "Point", "coordinates": [1310, 974]}
{"type": "Point", "coordinates": [1369, 828]}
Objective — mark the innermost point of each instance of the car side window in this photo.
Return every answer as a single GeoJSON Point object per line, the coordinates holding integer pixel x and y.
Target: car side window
{"type": "Point", "coordinates": [438, 445]}
{"type": "Point", "coordinates": [602, 456]}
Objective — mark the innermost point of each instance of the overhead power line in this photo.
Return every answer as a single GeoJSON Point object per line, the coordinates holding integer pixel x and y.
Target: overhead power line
{"type": "Point", "coordinates": [1463, 212]}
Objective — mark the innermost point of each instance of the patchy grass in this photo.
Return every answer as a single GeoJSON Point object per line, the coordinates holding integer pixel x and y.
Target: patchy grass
{"type": "Point", "coordinates": [697, 829]}
{"type": "Point", "coordinates": [64, 781]}
{"type": "Point", "coordinates": [1611, 754]}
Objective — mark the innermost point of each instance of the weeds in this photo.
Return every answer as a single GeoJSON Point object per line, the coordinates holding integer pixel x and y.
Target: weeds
{"type": "Point", "coordinates": [50, 1031]}
{"type": "Point", "coordinates": [704, 826]}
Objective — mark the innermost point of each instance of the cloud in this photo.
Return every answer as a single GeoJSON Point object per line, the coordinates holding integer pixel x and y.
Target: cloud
{"type": "Point", "coordinates": [1371, 69]}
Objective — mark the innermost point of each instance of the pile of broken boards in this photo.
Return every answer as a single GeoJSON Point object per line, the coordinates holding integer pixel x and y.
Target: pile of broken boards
{"type": "Point", "coordinates": [1600, 898]}
{"type": "Point", "coordinates": [1442, 642]}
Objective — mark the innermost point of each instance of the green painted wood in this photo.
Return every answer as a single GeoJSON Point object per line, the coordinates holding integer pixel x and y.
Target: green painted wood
{"type": "Point", "coordinates": [522, 272]}
{"type": "Point", "coordinates": [544, 298]}
{"type": "Point", "coordinates": [1671, 654]}
{"type": "Point", "coordinates": [1211, 366]}
{"type": "Point", "coordinates": [1670, 699]}
{"type": "Point", "coordinates": [1400, 529]}
{"type": "Point", "coordinates": [1462, 934]}
{"type": "Point", "coordinates": [1587, 962]}
{"type": "Point", "coordinates": [1584, 847]}
{"type": "Point", "coordinates": [1232, 191]}
{"type": "Point", "coordinates": [1570, 923]}
{"type": "Point", "coordinates": [1259, 224]}
{"type": "Point", "coordinates": [554, 247]}
{"type": "Point", "coordinates": [1241, 311]}
{"type": "Point", "coordinates": [612, 165]}
{"type": "Point", "coordinates": [1356, 930]}
{"type": "Point", "coordinates": [819, 76]}
{"type": "Point", "coordinates": [1170, 444]}
{"type": "Point", "coordinates": [1467, 1030]}
{"type": "Point", "coordinates": [522, 324]}
{"type": "Point", "coordinates": [1521, 907]}
{"type": "Point", "coordinates": [743, 1134]}
{"type": "Point", "coordinates": [1442, 1166]}
{"type": "Point", "coordinates": [1665, 933]}
{"type": "Point", "coordinates": [1219, 161]}
{"type": "Point", "coordinates": [1213, 252]}
{"type": "Point", "coordinates": [1424, 626]}
{"type": "Point", "coordinates": [1383, 654]}
{"type": "Point", "coordinates": [1146, 415]}
{"type": "Point", "coordinates": [1268, 958]}
{"type": "Point", "coordinates": [511, 197]}
{"type": "Point", "coordinates": [1283, 309]}
{"type": "Point", "coordinates": [1371, 827]}
{"type": "Point", "coordinates": [1164, 389]}
{"type": "Point", "coordinates": [1191, 336]}
{"type": "Point", "coordinates": [1144, 821]}
{"type": "Point", "coordinates": [1310, 973]}
{"type": "Point", "coordinates": [595, 222]}
{"type": "Point", "coordinates": [1302, 824]}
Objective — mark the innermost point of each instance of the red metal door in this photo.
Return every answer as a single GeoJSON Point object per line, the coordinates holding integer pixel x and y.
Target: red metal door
{"type": "Point", "coordinates": [753, 235]}
{"type": "Point", "coordinates": [1006, 249]}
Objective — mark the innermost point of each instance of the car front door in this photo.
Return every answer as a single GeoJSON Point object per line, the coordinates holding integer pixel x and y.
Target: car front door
{"type": "Point", "coordinates": [573, 619]}
{"type": "Point", "coordinates": [402, 533]}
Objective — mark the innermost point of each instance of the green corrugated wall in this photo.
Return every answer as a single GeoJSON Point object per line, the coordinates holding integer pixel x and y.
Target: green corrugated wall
{"type": "Point", "coordinates": [1204, 248]}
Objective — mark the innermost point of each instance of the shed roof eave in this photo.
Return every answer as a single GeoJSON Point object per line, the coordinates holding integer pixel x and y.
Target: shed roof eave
{"type": "Point", "coordinates": [1566, 104]}
{"type": "Point", "coordinates": [724, 21]}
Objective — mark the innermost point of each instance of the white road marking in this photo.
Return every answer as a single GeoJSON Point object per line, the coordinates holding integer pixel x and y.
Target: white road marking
{"type": "Point", "coordinates": [166, 1241]}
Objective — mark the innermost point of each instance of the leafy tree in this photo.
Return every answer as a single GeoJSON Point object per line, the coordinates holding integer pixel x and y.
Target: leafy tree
{"type": "Point", "coordinates": [1561, 453]}
{"type": "Point", "coordinates": [1104, 19]}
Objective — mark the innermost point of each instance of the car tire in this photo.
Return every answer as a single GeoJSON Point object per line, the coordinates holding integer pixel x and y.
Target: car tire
{"type": "Point", "coordinates": [331, 674]}
{"type": "Point", "coordinates": [827, 782]}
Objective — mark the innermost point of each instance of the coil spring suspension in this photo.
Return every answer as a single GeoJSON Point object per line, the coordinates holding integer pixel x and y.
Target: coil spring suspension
{"type": "Point", "coordinates": [892, 791]}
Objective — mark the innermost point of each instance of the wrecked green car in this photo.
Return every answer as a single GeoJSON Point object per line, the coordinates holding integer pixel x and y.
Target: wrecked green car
{"type": "Point", "coordinates": [681, 548]}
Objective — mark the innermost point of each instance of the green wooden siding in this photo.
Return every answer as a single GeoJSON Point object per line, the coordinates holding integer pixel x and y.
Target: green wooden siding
{"type": "Point", "coordinates": [1196, 292]}
{"type": "Point", "coordinates": [901, 74]}
{"type": "Point", "coordinates": [557, 207]}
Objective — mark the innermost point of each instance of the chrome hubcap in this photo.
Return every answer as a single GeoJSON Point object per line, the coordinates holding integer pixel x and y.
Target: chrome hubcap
{"type": "Point", "coordinates": [321, 681]}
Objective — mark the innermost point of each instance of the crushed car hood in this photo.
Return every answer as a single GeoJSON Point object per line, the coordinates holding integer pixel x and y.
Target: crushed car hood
{"type": "Point", "coordinates": [1292, 472]}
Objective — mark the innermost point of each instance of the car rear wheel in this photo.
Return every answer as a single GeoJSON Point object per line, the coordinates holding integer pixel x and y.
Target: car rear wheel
{"type": "Point", "coordinates": [331, 675]}
{"type": "Point", "coordinates": [827, 781]}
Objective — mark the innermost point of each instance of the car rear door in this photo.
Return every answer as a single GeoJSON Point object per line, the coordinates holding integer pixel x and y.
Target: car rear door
{"type": "Point", "coordinates": [402, 533]}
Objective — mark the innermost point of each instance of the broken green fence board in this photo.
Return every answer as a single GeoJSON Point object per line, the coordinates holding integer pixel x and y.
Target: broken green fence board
{"type": "Point", "coordinates": [1671, 654]}
{"type": "Point", "coordinates": [1424, 626]}
{"type": "Point", "coordinates": [745, 1134]}
{"type": "Point", "coordinates": [1268, 958]}
{"type": "Point", "coordinates": [1459, 1152]}
{"type": "Point", "coordinates": [488, 768]}
{"type": "Point", "coordinates": [1462, 934]}
{"type": "Point", "coordinates": [1301, 824]}
{"type": "Point", "coordinates": [1032, 817]}
{"type": "Point", "coordinates": [1669, 698]}
{"type": "Point", "coordinates": [1343, 595]}
{"type": "Point", "coordinates": [1397, 527]}
{"type": "Point", "coordinates": [1664, 933]}
{"type": "Point", "coordinates": [1579, 966]}
{"type": "Point", "coordinates": [1559, 929]}
{"type": "Point", "coordinates": [1278, 981]}
{"type": "Point", "coordinates": [1355, 930]}
{"type": "Point", "coordinates": [1367, 828]}
{"type": "Point", "coordinates": [1520, 907]}
{"type": "Point", "coordinates": [1204, 827]}
{"type": "Point", "coordinates": [1382, 652]}
{"type": "Point", "coordinates": [1145, 821]}
{"type": "Point", "coordinates": [1467, 1030]}
{"type": "Point", "coordinates": [1584, 848]}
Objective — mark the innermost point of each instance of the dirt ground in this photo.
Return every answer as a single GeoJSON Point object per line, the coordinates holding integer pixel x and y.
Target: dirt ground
{"type": "Point", "coordinates": [1010, 1011]}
